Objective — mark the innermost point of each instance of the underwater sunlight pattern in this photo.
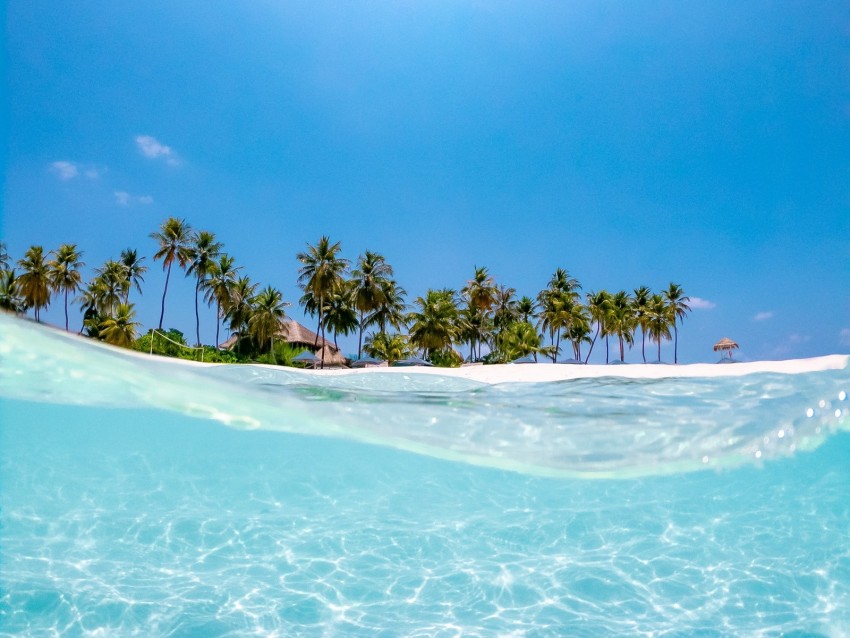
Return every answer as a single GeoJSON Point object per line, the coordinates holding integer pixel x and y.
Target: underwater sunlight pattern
{"type": "Point", "coordinates": [139, 496]}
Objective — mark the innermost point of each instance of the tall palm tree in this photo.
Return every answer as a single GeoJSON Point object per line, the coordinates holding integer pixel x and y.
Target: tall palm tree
{"type": "Point", "coordinates": [10, 296]}
{"type": "Point", "coordinates": [133, 265]}
{"type": "Point", "coordinates": [525, 308]}
{"type": "Point", "coordinates": [340, 312]}
{"type": "Point", "coordinates": [678, 302]}
{"type": "Point", "coordinates": [598, 304]}
{"type": "Point", "coordinates": [203, 251]}
{"type": "Point", "coordinates": [475, 327]}
{"type": "Point", "coordinates": [34, 281]}
{"type": "Point", "coordinates": [65, 275]}
{"type": "Point", "coordinates": [119, 329]}
{"type": "Point", "coordinates": [480, 291]}
{"type": "Point", "coordinates": [266, 320]}
{"type": "Point", "coordinates": [621, 320]}
{"type": "Point", "coordinates": [174, 237]}
{"type": "Point", "coordinates": [433, 326]}
{"type": "Point", "coordinates": [640, 303]}
{"type": "Point", "coordinates": [660, 319]}
{"type": "Point", "coordinates": [218, 287]}
{"type": "Point", "coordinates": [578, 331]}
{"type": "Point", "coordinates": [369, 279]}
{"type": "Point", "coordinates": [562, 281]}
{"type": "Point", "coordinates": [114, 286]}
{"type": "Point", "coordinates": [392, 311]}
{"type": "Point", "coordinates": [480, 295]}
{"type": "Point", "coordinates": [320, 274]}
{"type": "Point", "coordinates": [239, 310]}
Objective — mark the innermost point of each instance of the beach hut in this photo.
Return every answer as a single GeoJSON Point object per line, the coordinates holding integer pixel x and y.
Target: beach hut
{"type": "Point", "coordinates": [300, 336]}
{"type": "Point", "coordinates": [725, 345]}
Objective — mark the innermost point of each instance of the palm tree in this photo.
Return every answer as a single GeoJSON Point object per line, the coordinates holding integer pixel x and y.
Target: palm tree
{"type": "Point", "coordinates": [340, 313]}
{"type": "Point", "coordinates": [10, 296]}
{"type": "Point", "coordinates": [34, 281]}
{"type": "Point", "coordinates": [133, 265]}
{"type": "Point", "coordinates": [480, 291]}
{"type": "Point", "coordinates": [4, 257]}
{"type": "Point", "coordinates": [640, 303]}
{"type": "Point", "coordinates": [521, 339]}
{"type": "Point", "coordinates": [578, 331]}
{"type": "Point", "coordinates": [369, 279]}
{"type": "Point", "coordinates": [563, 282]}
{"type": "Point", "coordinates": [266, 320]}
{"type": "Point", "coordinates": [202, 253]}
{"type": "Point", "coordinates": [239, 310]}
{"type": "Point", "coordinates": [621, 320]}
{"type": "Point", "coordinates": [678, 302]}
{"type": "Point", "coordinates": [480, 295]}
{"type": "Point", "coordinates": [114, 286]}
{"type": "Point", "coordinates": [390, 348]}
{"type": "Point", "coordinates": [434, 326]}
{"type": "Point", "coordinates": [598, 304]}
{"type": "Point", "coordinates": [392, 311]}
{"type": "Point", "coordinates": [218, 287]}
{"type": "Point", "coordinates": [525, 308]}
{"type": "Point", "coordinates": [660, 318]}
{"type": "Point", "coordinates": [92, 304]}
{"type": "Point", "coordinates": [65, 275]}
{"type": "Point", "coordinates": [321, 274]}
{"type": "Point", "coordinates": [120, 329]}
{"type": "Point", "coordinates": [174, 237]}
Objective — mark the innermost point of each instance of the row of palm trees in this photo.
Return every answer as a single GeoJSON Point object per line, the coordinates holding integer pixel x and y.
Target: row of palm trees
{"type": "Point", "coordinates": [347, 299]}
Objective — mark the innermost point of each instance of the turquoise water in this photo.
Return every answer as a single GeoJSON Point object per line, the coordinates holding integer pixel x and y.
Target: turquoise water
{"type": "Point", "coordinates": [140, 497]}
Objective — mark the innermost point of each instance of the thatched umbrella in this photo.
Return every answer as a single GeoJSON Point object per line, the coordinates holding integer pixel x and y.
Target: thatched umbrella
{"type": "Point", "coordinates": [725, 345]}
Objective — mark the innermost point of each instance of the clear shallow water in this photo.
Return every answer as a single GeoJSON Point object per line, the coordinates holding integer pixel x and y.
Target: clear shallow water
{"type": "Point", "coordinates": [379, 505]}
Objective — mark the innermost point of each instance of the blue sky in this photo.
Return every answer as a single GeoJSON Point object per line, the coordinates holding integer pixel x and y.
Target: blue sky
{"type": "Point", "coordinates": [632, 143]}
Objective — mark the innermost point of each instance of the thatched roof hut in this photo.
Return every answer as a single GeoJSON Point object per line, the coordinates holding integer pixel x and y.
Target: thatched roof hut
{"type": "Point", "coordinates": [298, 335]}
{"type": "Point", "coordinates": [725, 345]}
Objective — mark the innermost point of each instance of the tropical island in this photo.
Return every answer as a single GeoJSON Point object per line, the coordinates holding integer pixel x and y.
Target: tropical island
{"type": "Point", "coordinates": [487, 320]}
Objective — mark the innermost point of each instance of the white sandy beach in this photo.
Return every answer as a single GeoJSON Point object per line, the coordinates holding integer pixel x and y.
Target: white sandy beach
{"type": "Point", "coordinates": [506, 373]}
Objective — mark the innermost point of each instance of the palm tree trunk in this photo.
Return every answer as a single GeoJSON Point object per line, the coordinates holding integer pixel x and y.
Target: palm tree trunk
{"type": "Point", "coordinates": [643, 343]}
{"type": "Point", "coordinates": [360, 339]}
{"type": "Point", "coordinates": [676, 344]}
{"type": "Point", "coordinates": [592, 343]}
{"type": "Point", "coordinates": [164, 292]}
{"type": "Point", "coordinates": [197, 318]}
{"type": "Point", "coordinates": [622, 352]}
{"type": "Point", "coordinates": [659, 348]}
{"type": "Point", "coordinates": [217, 321]}
{"type": "Point", "coordinates": [66, 310]}
{"type": "Point", "coordinates": [606, 348]}
{"type": "Point", "coordinates": [557, 349]}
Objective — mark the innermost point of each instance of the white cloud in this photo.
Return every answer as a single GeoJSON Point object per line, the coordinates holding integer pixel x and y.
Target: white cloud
{"type": "Point", "coordinates": [697, 303]}
{"type": "Point", "coordinates": [92, 173]}
{"type": "Point", "coordinates": [763, 316]}
{"type": "Point", "coordinates": [844, 337]}
{"type": "Point", "coordinates": [123, 198]}
{"type": "Point", "coordinates": [154, 149]}
{"type": "Point", "coordinates": [64, 170]}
